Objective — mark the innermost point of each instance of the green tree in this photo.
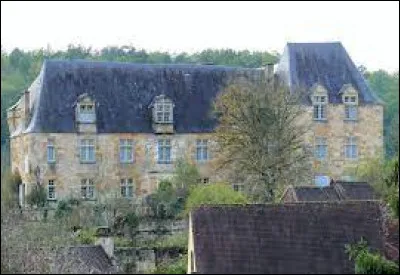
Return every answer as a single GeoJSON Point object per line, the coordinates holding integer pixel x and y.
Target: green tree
{"type": "Point", "coordinates": [261, 138]}
{"type": "Point", "coordinates": [213, 194]}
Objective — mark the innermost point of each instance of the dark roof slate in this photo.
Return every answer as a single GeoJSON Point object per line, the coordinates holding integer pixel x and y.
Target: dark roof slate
{"type": "Point", "coordinates": [304, 64]}
{"type": "Point", "coordinates": [298, 238]}
{"type": "Point", "coordinates": [123, 93]}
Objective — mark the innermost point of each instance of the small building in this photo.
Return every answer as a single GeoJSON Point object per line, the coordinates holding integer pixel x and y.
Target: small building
{"type": "Point", "coordinates": [337, 191]}
{"type": "Point", "coordinates": [293, 238]}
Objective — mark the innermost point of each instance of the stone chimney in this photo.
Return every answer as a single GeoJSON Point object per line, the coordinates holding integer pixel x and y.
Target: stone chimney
{"type": "Point", "coordinates": [104, 239]}
{"type": "Point", "coordinates": [269, 71]}
{"type": "Point", "coordinates": [26, 107]}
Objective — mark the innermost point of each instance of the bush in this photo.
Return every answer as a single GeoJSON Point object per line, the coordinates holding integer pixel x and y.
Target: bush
{"type": "Point", "coordinates": [37, 196]}
{"type": "Point", "coordinates": [63, 209]}
{"type": "Point", "coordinates": [178, 266]}
{"type": "Point", "coordinates": [218, 193]}
{"type": "Point", "coordinates": [87, 236]}
{"type": "Point", "coordinates": [9, 188]}
{"type": "Point", "coordinates": [367, 262]}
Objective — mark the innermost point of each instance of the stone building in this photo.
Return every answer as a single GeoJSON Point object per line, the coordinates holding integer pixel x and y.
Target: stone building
{"type": "Point", "coordinates": [90, 128]}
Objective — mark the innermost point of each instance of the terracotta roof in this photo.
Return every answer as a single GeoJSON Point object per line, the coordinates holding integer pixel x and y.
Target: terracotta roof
{"type": "Point", "coordinates": [299, 238]}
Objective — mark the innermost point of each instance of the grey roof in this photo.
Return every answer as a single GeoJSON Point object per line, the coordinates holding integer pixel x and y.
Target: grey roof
{"type": "Point", "coordinates": [337, 191]}
{"type": "Point", "coordinates": [298, 238]}
{"type": "Point", "coordinates": [123, 93]}
{"type": "Point", "coordinates": [83, 259]}
{"type": "Point", "coordinates": [304, 64]}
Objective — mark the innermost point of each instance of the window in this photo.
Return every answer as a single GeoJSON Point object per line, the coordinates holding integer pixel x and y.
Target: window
{"type": "Point", "coordinates": [350, 107]}
{"type": "Point", "coordinates": [351, 148]}
{"type": "Point", "coordinates": [204, 180]}
{"type": "Point", "coordinates": [321, 148]}
{"type": "Point", "coordinates": [87, 188]}
{"type": "Point", "coordinates": [238, 187]}
{"type": "Point", "coordinates": [51, 154]}
{"type": "Point", "coordinates": [51, 190]}
{"type": "Point", "coordinates": [87, 152]}
{"type": "Point", "coordinates": [127, 188]}
{"type": "Point", "coordinates": [164, 151]}
{"type": "Point", "coordinates": [320, 107]}
{"type": "Point", "coordinates": [86, 112]}
{"type": "Point", "coordinates": [321, 181]}
{"type": "Point", "coordinates": [201, 150]}
{"type": "Point", "coordinates": [163, 110]}
{"type": "Point", "coordinates": [126, 151]}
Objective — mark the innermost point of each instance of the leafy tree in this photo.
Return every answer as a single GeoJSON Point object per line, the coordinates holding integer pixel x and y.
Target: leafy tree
{"type": "Point", "coordinates": [37, 196]}
{"type": "Point", "coordinates": [260, 134]}
{"type": "Point", "coordinates": [213, 194]}
{"type": "Point", "coordinates": [367, 262]}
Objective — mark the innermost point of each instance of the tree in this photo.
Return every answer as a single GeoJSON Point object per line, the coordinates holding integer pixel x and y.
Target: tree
{"type": "Point", "coordinates": [186, 175]}
{"type": "Point", "coordinates": [260, 136]}
{"type": "Point", "coordinates": [212, 194]}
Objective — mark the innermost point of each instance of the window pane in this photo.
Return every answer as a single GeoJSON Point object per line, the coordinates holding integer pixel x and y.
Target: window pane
{"type": "Point", "coordinates": [123, 191]}
{"type": "Point", "coordinates": [166, 116]}
{"type": "Point", "coordinates": [353, 99]}
{"type": "Point", "coordinates": [323, 112]}
{"type": "Point", "coordinates": [130, 191]}
{"type": "Point", "coordinates": [83, 191]}
{"type": "Point", "coordinates": [83, 153]}
{"type": "Point", "coordinates": [91, 153]}
{"type": "Point", "coordinates": [159, 116]}
{"type": "Point", "coordinates": [205, 153]}
{"type": "Point", "coordinates": [198, 153]}
{"type": "Point", "coordinates": [91, 192]}
{"type": "Point", "coordinates": [168, 154]}
{"type": "Point", "coordinates": [316, 111]}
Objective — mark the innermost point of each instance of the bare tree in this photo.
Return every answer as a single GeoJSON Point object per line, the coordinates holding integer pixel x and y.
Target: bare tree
{"type": "Point", "coordinates": [260, 136]}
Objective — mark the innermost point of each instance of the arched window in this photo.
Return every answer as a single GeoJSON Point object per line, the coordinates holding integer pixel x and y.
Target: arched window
{"type": "Point", "coordinates": [85, 109]}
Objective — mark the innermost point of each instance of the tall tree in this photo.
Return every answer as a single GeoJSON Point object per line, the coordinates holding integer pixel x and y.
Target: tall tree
{"type": "Point", "coordinates": [260, 136]}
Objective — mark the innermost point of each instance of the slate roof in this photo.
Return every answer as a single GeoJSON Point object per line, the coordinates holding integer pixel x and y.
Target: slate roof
{"type": "Point", "coordinates": [297, 238]}
{"type": "Point", "coordinates": [123, 93]}
{"type": "Point", "coordinates": [338, 191]}
{"type": "Point", "coordinates": [305, 64]}
{"type": "Point", "coordinates": [83, 259]}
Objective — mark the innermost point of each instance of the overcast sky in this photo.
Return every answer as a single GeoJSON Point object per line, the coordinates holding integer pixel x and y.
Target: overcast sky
{"type": "Point", "coordinates": [368, 30]}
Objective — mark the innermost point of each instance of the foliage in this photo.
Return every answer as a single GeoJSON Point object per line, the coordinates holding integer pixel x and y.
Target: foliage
{"type": "Point", "coordinates": [382, 175]}
{"type": "Point", "coordinates": [367, 262]}
{"type": "Point", "coordinates": [87, 236]}
{"type": "Point", "coordinates": [186, 175]}
{"type": "Point", "coordinates": [63, 209]}
{"type": "Point", "coordinates": [173, 267]}
{"type": "Point", "coordinates": [259, 134]}
{"type": "Point", "coordinates": [37, 196]}
{"type": "Point", "coordinates": [122, 242]}
{"type": "Point", "coordinates": [213, 194]}
{"type": "Point", "coordinates": [175, 240]}
{"type": "Point", "coordinates": [9, 188]}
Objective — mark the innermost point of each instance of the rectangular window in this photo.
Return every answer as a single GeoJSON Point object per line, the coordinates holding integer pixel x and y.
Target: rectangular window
{"type": "Point", "coordinates": [86, 113]}
{"type": "Point", "coordinates": [51, 154]}
{"type": "Point", "coordinates": [351, 112]}
{"type": "Point", "coordinates": [87, 189]}
{"type": "Point", "coordinates": [203, 180]}
{"type": "Point", "coordinates": [126, 151]}
{"type": "Point", "coordinates": [127, 190]}
{"type": "Point", "coordinates": [163, 111]}
{"type": "Point", "coordinates": [351, 148]}
{"type": "Point", "coordinates": [164, 151]}
{"type": "Point", "coordinates": [238, 187]}
{"type": "Point", "coordinates": [51, 190]}
{"type": "Point", "coordinates": [321, 148]}
{"type": "Point", "coordinates": [201, 149]}
{"type": "Point", "coordinates": [320, 107]}
{"type": "Point", "coordinates": [87, 151]}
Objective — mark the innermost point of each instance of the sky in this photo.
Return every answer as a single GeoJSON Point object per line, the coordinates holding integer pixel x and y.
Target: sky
{"type": "Point", "coordinates": [368, 30]}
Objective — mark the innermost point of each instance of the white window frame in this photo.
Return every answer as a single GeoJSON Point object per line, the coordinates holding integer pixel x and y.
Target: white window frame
{"type": "Point", "coordinates": [51, 189]}
{"type": "Point", "coordinates": [163, 110]}
{"type": "Point", "coordinates": [127, 188]}
{"type": "Point", "coordinates": [350, 107]}
{"type": "Point", "coordinates": [86, 112]}
{"type": "Point", "coordinates": [126, 153]}
{"type": "Point", "coordinates": [202, 154]}
{"type": "Point", "coordinates": [51, 153]}
{"type": "Point", "coordinates": [85, 146]}
{"type": "Point", "coordinates": [321, 144]}
{"type": "Point", "coordinates": [87, 189]}
{"type": "Point", "coordinates": [320, 103]}
{"type": "Point", "coordinates": [238, 187]}
{"type": "Point", "coordinates": [351, 148]}
{"type": "Point", "coordinates": [164, 146]}
{"type": "Point", "coordinates": [320, 178]}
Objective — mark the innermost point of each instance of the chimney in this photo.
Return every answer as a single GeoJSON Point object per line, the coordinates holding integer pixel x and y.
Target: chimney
{"type": "Point", "coordinates": [26, 107]}
{"type": "Point", "coordinates": [269, 71]}
{"type": "Point", "coordinates": [105, 240]}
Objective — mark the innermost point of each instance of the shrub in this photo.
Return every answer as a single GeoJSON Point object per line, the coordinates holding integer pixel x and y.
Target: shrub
{"type": "Point", "coordinates": [37, 196]}
{"type": "Point", "coordinates": [178, 266]}
{"type": "Point", "coordinates": [87, 236]}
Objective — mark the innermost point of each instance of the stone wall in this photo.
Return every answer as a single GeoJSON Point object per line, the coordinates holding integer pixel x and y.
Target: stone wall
{"type": "Point", "coordinates": [29, 152]}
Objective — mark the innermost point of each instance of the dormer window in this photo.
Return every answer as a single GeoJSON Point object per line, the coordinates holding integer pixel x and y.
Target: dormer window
{"type": "Point", "coordinates": [350, 101]}
{"type": "Point", "coordinates": [86, 110]}
{"type": "Point", "coordinates": [320, 102]}
{"type": "Point", "coordinates": [163, 110]}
